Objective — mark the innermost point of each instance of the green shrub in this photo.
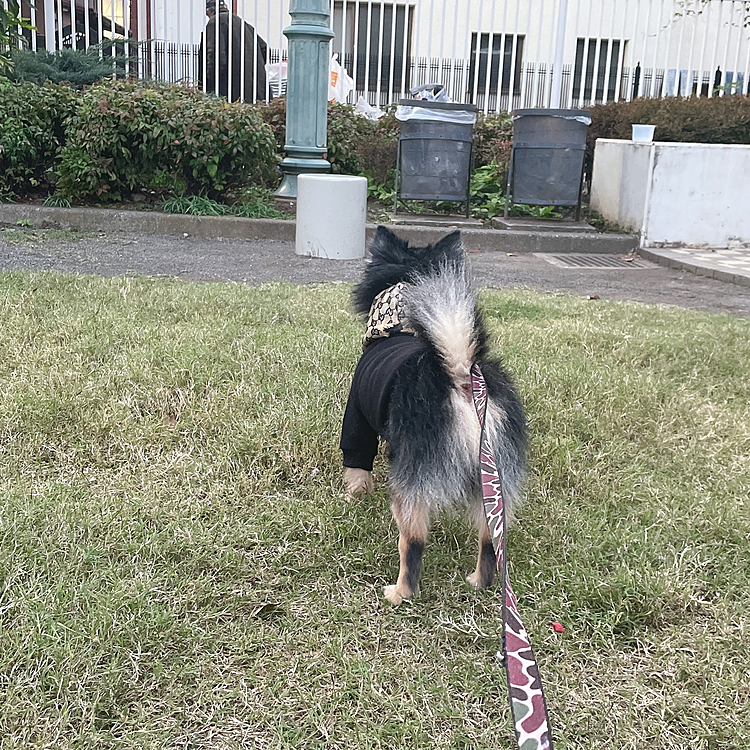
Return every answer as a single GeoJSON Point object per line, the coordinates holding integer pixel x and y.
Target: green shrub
{"type": "Point", "coordinates": [129, 136]}
{"type": "Point", "coordinates": [32, 128]}
{"type": "Point", "coordinates": [719, 119]}
{"type": "Point", "coordinates": [12, 25]}
{"type": "Point", "coordinates": [274, 115]}
{"type": "Point", "coordinates": [493, 136]}
{"type": "Point", "coordinates": [77, 67]}
{"type": "Point", "coordinates": [346, 132]}
{"type": "Point", "coordinates": [377, 153]}
{"type": "Point", "coordinates": [356, 145]}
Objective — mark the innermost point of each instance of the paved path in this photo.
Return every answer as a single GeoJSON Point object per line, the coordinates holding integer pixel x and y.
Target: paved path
{"type": "Point", "coordinates": [259, 261]}
{"type": "Point", "coordinates": [731, 265]}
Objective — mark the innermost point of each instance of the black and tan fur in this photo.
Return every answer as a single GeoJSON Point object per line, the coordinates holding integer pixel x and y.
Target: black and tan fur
{"type": "Point", "coordinates": [432, 430]}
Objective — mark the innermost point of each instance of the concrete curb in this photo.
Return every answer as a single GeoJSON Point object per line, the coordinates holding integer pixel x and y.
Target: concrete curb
{"type": "Point", "coordinates": [146, 222]}
{"type": "Point", "coordinates": [677, 262]}
{"type": "Point", "coordinates": [152, 222]}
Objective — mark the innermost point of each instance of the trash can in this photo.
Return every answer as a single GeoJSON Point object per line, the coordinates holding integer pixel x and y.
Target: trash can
{"type": "Point", "coordinates": [434, 151]}
{"type": "Point", "coordinates": [546, 163]}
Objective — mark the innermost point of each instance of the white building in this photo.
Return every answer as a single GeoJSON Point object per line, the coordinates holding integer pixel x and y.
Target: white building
{"type": "Point", "coordinates": [610, 49]}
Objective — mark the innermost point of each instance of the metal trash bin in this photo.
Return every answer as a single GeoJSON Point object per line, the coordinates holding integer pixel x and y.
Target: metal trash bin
{"type": "Point", "coordinates": [434, 151]}
{"type": "Point", "coordinates": [547, 157]}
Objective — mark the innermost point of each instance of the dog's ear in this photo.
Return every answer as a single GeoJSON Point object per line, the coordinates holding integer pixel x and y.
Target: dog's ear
{"type": "Point", "coordinates": [450, 247]}
{"type": "Point", "coordinates": [386, 244]}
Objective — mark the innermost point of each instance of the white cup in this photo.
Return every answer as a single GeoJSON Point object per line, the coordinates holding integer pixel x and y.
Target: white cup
{"type": "Point", "coordinates": [643, 133]}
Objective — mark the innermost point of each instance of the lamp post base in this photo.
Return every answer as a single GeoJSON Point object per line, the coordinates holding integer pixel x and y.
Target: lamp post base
{"type": "Point", "coordinates": [294, 167]}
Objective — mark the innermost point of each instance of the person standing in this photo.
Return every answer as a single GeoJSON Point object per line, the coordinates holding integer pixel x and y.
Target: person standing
{"type": "Point", "coordinates": [244, 49]}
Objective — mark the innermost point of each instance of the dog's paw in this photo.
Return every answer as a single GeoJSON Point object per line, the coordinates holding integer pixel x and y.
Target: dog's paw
{"type": "Point", "coordinates": [392, 595]}
{"type": "Point", "coordinates": [357, 482]}
{"type": "Point", "coordinates": [475, 581]}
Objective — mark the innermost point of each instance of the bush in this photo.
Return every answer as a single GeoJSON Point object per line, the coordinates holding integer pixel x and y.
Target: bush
{"type": "Point", "coordinates": [31, 135]}
{"type": "Point", "coordinates": [274, 115]}
{"type": "Point", "coordinates": [720, 119]}
{"type": "Point", "coordinates": [127, 136]}
{"type": "Point", "coordinates": [11, 33]}
{"type": "Point", "coordinates": [77, 67]}
{"type": "Point", "coordinates": [493, 137]}
{"type": "Point", "coordinates": [356, 145]}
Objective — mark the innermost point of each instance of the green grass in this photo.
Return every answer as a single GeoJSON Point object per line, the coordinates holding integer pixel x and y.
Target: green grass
{"type": "Point", "coordinates": [253, 203]}
{"type": "Point", "coordinates": [57, 201]}
{"type": "Point", "coordinates": [179, 568]}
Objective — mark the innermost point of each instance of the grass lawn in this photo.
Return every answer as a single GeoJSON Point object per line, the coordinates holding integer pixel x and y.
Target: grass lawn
{"type": "Point", "coordinates": [179, 568]}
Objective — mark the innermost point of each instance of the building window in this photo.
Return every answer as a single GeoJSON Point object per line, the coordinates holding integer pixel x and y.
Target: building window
{"type": "Point", "coordinates": [503, 64]}
{"type": "Point", "coordinates": [606, 75]}
{"type": "Point", "coordinates": [369, 51]}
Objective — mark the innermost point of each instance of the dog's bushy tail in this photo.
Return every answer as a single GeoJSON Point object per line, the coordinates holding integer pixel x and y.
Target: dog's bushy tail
{"type": "Point", "coordinates": [442, 308]}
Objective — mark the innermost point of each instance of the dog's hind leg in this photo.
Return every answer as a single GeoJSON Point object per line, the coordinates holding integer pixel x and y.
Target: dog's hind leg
{"type": "Point", "coordinates": [484, 574]}
{"type": "Point", "coordinates": [413, 523]}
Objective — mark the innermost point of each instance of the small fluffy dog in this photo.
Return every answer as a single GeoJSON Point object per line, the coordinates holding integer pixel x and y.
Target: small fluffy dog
{"type": "Point", "coordinates": [412, 387]}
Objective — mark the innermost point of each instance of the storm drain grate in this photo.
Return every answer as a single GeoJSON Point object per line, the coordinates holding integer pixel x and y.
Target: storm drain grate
{"type": "Point", "coordinates": [592, 260]}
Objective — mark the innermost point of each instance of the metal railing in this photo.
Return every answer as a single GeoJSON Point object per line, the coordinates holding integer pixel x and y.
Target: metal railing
{"type": "Point", "coordinates": [498, 54]}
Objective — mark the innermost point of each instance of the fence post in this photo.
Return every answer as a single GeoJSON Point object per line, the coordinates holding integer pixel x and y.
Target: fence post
{"type": "Point", "coordinates": [49, 25]}
{"type": "Point", "coordinates": [307, 93]}
{"type": "Point", "coordinates": [557, 75]}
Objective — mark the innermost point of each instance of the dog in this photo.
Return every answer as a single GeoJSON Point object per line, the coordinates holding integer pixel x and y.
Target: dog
{"type": "Point", "coordinates": [412, 387]}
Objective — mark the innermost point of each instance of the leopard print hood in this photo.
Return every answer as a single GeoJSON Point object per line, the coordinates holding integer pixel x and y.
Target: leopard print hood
{"type": "Point", "coordinates": [387, 315]}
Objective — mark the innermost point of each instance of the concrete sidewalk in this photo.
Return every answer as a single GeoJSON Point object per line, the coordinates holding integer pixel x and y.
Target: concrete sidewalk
{"type": "Point", "coordinates": [727, 265]}
{"type": "Point", "coordinates": [732, 265]}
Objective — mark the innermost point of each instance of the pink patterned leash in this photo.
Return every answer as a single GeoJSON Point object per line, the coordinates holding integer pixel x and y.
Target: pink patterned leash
{"type": "Point", "coordinates": [527, 705]}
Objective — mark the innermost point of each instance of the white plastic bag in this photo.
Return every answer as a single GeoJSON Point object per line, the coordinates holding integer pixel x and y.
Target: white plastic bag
{"type": "Point", "coordinates": [430, 92]}
{"type": "Point", "coordinates": [456, 116]}
{"type": "Point", "coordinates": [364, 108]}
{"type": "Point", "coordinates": [277, 76]}
{"type": "Point", "coordinates": [341, 84]}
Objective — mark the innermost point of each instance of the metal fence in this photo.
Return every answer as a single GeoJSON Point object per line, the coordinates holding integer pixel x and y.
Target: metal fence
{"type": "Point", "coordinates": [498, 54]}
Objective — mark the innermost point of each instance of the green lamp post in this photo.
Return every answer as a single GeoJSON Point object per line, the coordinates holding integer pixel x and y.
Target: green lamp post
{"type": "Point", "coordinates": [306, 93]}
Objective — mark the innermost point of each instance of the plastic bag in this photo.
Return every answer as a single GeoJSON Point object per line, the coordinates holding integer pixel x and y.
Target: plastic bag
{"type": "Point", "coordinates": [430, 92]}
{"type": "Point", "coordinates": [456, 116]}
{"type": "Point", "coordinates": [364, 108]}
{"type": "Point", "coordinates": [341, 84]}
{"type": "Point", "coordinates": [277, 77]}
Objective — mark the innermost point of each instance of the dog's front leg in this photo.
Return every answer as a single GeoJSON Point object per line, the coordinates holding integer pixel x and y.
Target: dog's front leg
{"type": "Point", "coordinates": [357, 482]}
{"type": "Point", "coordinates": [413, 523]}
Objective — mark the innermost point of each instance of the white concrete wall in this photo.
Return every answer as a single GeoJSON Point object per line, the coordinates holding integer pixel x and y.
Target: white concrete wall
{"type": "Point", "coordinates": [700, 194]}
{"type": "Point", "coordinates": [618, 164]}
{"type": "Point", "coordinates": [691, 194]}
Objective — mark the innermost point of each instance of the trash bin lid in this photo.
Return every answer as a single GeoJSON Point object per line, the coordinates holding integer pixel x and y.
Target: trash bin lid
{"type": "Point", "coordinates": [454, 106]}
{"type": "Point", "coordinates": [567, 114]}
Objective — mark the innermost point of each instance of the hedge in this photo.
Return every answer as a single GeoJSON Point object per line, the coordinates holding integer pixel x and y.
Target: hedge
{"type": "Point", "coordinates": [117, 137]}
{"type": "Point", "coordinates": [132, 136]}
{"type": "Point", "coordinates": [31, 134]}
{"type": "Point", "coordinates": [719, 119]}
{"type": "Point", "coordinates": [76, 67]}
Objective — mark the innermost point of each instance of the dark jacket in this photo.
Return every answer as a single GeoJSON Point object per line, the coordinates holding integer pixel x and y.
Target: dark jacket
{"type": "Point", "coordinates": [366, 414]}
{"type": "Point", "coordinates": [255, 60]}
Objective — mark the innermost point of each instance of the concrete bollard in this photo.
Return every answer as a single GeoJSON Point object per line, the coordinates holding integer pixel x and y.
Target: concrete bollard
{"type": "Point", "coordinates": [331, 214]}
